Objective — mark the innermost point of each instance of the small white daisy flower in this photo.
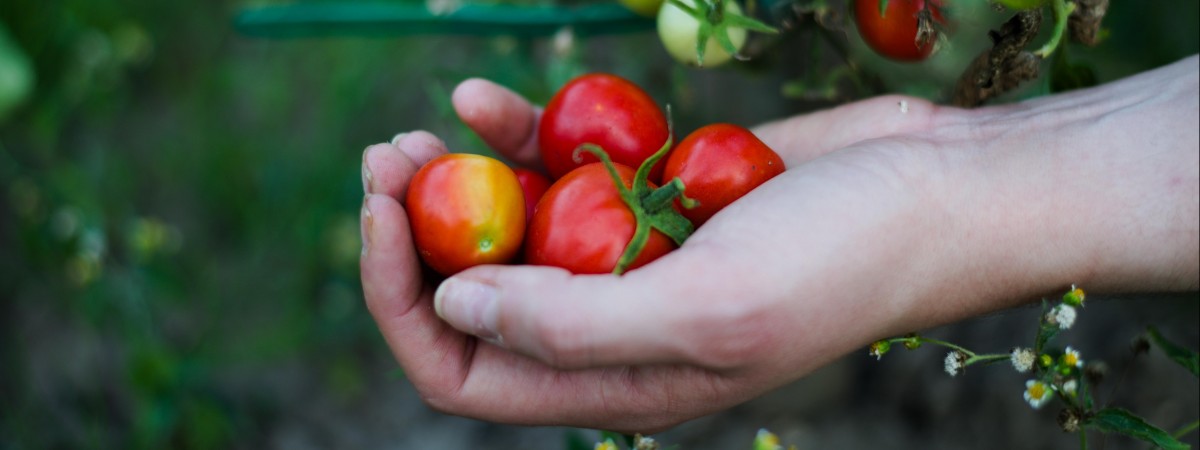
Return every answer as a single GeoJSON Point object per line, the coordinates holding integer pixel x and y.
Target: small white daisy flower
{"type": "Point", "coordinates": [606, 445]}
{"type": "Point", "coordinates": [1023, 359]}
{"type": "Point", "coordinates": [1070, 358]}
{"type": "Point", "coordinates": [1037, 393]}
{"type": "Point", "coordinates": [1062, 315]}
{"type": "Point", "coordinates": [1070, 387]}
{"type": "Point", "coordinates": [954, 362]}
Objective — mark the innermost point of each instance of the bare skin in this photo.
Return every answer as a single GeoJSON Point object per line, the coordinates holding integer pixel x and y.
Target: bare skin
{"type": "Point", "coordinates": [885, 222]}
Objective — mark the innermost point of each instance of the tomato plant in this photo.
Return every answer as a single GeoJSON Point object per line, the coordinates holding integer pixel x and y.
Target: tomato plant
{"type": "Point", "coordinates": [898, 32]}
{"type": "Point", "coordinates": [534, 185]}
{"type": "Point", "coordinates": [679, 32]}
{"type": "Point", "coordinates": [718, 164]}
{"type": "Point", "coordinates": [605, 110]}
{"type": "Point", "coordinates": [465, 210]}
{"type": "Point", "coordinates": [583, 225]}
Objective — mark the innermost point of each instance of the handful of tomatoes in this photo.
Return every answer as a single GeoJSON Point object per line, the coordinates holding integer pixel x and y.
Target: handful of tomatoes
{"type": "Point", "coordinates": [607, 145]}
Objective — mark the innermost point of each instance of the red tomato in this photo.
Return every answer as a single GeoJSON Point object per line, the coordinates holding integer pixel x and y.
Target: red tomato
{"type": "Point", "coordinates": [605, 110]}
{"type": "Point", "coordinates": [718, 164]}
{"type": "Point", "coordinates": [583, 225]}
{"type": "Point", "coordinates": [534, 185]}
{"type": "Point", "coordinates": [894, 34]}
{"type": "Point", "coordinates": [465, 210]}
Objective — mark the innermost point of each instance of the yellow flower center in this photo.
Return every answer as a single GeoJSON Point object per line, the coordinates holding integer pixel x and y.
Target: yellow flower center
{"type": "Point", "coordinates": [1037, 391]}
{"type": "Point", "coordinates": [1070, 360]}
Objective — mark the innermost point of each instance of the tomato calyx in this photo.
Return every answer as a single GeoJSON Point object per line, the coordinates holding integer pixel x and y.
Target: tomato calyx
{"type": "Point", "coordinates": [652, 208]}
{"type": "Point", "coordinates": [714, 23]}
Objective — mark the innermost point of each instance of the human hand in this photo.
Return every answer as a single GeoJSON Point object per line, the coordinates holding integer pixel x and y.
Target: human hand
{"type": "Point", "coordinates": [882, 224]}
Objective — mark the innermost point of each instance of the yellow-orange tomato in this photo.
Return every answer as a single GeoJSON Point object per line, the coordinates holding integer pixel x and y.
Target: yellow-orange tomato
{"type": "Point", "coordinates": [465, 210]}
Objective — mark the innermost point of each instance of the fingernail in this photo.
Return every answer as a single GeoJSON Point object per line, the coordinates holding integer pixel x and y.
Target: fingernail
{"type": "Point", "coordinates": [396, 139]}
{"type": "Point", "coordinates": [469, 306]}
{"type": "Point", "coordinates": [367, 221]}
{"type": "Point", "coordinates": [366, 173]}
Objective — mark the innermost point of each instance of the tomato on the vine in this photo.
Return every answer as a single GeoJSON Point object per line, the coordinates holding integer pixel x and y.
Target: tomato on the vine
{"type": "Point", "coordinates": [604, 110]}
{"type": "Point", "coordinates": [583, 225]}
{"type": "Point", "coordinates": [678, 31]}
{"type": "Point", "coordinates": [896, 33]}
{"type": "Point", "coordinates": [465, 210]}
{"type": "Point", "coordinates": [718, 164]}
{"type": "Point", "coordinates": [534, 185]}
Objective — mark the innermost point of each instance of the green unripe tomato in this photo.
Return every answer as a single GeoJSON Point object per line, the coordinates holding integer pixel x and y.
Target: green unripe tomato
{"type": "Point", "coordinates": [648, 8]}
{"type": "Point", "coordinates": [678, 31]}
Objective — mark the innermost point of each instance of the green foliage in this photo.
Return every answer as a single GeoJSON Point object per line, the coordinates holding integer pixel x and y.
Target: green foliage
{"type": "Point", "coordinates": [1189, 359]}
{"type": "Point", "coordinates": [1117, 420]}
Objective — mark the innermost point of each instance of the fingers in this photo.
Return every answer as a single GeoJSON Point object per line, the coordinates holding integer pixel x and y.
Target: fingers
{"type": "Point", "coordinates": [805, 137]}
{"type": "Point", "coordinates": [667, 312]}
{"type": "Point", "coordinates": [432, 354]}
{"type": "Point", "coordinates": [503, 119]}
{"type": "Point", "coordinates": [387, 168]}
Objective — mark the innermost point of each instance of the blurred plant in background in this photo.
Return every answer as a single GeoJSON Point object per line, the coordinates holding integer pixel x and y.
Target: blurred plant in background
{"type": "Point", "coordinates": [178, 203]}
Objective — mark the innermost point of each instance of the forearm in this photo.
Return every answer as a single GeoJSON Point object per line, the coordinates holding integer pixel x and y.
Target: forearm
{"type": "Point", "coordinates": [1099, 188]}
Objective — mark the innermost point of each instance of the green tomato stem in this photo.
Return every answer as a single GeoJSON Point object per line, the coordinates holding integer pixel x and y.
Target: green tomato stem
{"type": "Point", "coordinates": [1062, 12]}
{"type": "Point", "coordinates": [653, 209]}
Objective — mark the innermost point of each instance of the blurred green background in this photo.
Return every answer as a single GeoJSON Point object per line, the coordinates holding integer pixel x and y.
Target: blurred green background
{"type": "Point", "coordinates": [179, 208]}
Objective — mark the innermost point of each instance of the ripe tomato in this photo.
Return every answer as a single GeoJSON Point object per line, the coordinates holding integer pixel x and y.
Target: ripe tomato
{"type": "Point", "coordinates": [605, 110]}
{"type": "Point", "coordinates": [894, 34]}
{"type": "Point", "coordinates": [534, 185]}
{"type": "Point", "coordinates": [677, 30]}
{"type": "Point", "coordinates": [583, 225]}
{"type": "Point", "coordinates": [465, 210]}
{"type": "Point", "coordinates": [718, 164]}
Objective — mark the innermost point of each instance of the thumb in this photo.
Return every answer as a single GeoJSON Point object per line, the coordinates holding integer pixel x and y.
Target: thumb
{"type": "Point", "coordinates": [568, 321]}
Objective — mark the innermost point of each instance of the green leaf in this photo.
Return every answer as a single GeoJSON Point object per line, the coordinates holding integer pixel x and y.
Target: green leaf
{"type": "Point", "coordinates": [883, 4]}
{"type": "Point", "coordinates": [1117, 420]}
{"type": "Point", "coordinates": [1189, 359]}
{"type": "Point", "coordinates": [740, 21]}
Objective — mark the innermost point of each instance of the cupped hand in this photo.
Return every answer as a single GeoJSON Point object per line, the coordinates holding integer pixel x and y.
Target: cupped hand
{"type": "Point", "coordinates": [708, 326]}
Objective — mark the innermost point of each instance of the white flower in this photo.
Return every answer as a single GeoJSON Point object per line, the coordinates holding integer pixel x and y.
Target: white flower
{"type": "Point", "coordinates": [1070, 387]}
{"type": "Point", "coordinates": [1037, 393]}
{"type": "Point", "coordinates": [1062, 315]}
{"type": "Point", "coordinates": [1022, 359]}
{"type": "Point", "coordinates": [1070, 358]}
{"type": "Point", "coordinates": [954, 362]}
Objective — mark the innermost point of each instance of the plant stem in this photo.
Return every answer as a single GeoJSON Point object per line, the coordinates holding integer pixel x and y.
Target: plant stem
{"type": "Point", "coordinates": [1187, 429]}
{"type": "Point", "coordinates": [1062, 11]}
{"type": "Point", "coordinates": [986, 358]}
{"type": "Point", "coordinates": [1082, 438]}
{"type": "Point", "coordinates": [947, 345]}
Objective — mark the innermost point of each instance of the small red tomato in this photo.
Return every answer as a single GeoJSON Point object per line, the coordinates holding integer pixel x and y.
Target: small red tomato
{"type": "Point", "coordinates": [894, 34]}
{"type": "Point", "coordinates": [534, 185]}
{"type": "Point", "coordinates": [605, 110]}
{"type": "Point", "coordinates": [583, 225]}
{"type": "Point", "coordinates": [718, 164]}
{"type": "Point", "coordinates": [465, 210]}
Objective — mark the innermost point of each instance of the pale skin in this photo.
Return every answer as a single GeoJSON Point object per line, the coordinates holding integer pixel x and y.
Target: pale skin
{"type": "Point", "coordinates": [888, 220]}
